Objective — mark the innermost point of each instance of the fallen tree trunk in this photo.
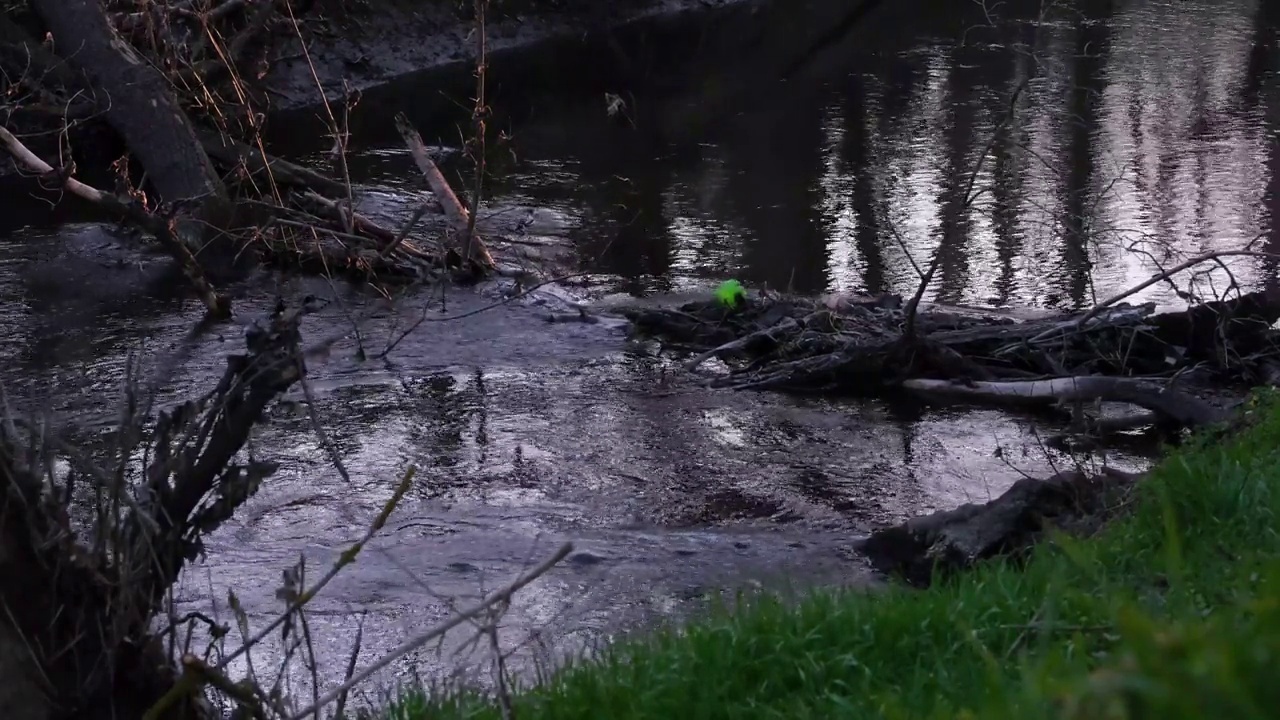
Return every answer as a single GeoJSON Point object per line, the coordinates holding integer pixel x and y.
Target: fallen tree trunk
{"type": "Point", "coordinates": [1183, 410]}
{"type": "Point", "coordinates": [924, 548]}
{"type": "Point", "coordinates": [143, 110]}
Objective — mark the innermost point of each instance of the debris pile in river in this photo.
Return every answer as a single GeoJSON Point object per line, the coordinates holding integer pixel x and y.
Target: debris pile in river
{"type": "Point", "coordinates": [1122, 353]}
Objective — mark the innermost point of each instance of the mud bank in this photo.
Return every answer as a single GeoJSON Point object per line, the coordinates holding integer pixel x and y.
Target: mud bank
{"type": "Point", "coordinates": [434, 44]}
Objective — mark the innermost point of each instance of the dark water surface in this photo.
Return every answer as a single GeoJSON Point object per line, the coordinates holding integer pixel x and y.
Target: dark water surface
{"type": "Point", "coordinates": [1144, 132]}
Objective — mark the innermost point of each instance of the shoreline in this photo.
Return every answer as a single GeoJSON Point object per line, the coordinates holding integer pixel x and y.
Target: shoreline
{"type": "Point", "coordinates": [1172, 601]}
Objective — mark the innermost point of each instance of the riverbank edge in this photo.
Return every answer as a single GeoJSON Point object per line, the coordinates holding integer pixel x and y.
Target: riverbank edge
{"type": "Point", "coordinates": [400, 43]}
{"type": "Point", "coordinates": [1172, 610]}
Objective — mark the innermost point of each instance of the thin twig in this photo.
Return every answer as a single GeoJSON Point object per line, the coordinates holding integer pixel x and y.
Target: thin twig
{"type": "Point", "coordinates": [502, 595]}
{"type": "Point", "coordinates": [351, 668]}
{"type": "Point", "coordinates": [347, 557]}
{"type": "Point", "coordinates": [1207, 257]}
{"type": "Point", "coordinates": [970, 196]}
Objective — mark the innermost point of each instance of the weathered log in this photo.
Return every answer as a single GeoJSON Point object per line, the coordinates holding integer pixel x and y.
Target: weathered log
{"type": "Point", "coordinates": [923, 548]}
{"type": "Point", "coordinates": [1180, 408]}
{"type": "Point", "coordinates": [472, 247]}
{"type": "Point", "coordinates": [143, 110]}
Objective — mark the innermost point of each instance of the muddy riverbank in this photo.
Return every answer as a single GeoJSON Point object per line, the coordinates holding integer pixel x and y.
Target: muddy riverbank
{"type": "Point", "coordinates": [432, 47]}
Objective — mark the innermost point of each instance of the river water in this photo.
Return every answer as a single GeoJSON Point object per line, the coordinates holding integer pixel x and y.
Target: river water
{"type": "Point", "coordinates": [1142, 133]}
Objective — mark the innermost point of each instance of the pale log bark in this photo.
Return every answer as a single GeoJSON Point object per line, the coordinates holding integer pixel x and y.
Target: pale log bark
{"type": "Point", "coordinates": [454, 211]}
{"type": "Point", "coordinates": [1179, 407]}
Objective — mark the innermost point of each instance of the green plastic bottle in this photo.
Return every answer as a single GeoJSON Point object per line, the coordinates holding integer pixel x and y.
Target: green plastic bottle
{"type": "Point", "coordinates": [730, 293]}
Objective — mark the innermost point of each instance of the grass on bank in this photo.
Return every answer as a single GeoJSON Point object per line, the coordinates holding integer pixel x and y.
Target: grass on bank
{"type": "Point", "coordinates": [1172, 612]}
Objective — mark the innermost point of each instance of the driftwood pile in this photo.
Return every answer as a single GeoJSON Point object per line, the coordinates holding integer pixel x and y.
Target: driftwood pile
{"type": "Point", "coordinates": [1122, 353]}
{"type": "Point", "coordinates": [178, 84]}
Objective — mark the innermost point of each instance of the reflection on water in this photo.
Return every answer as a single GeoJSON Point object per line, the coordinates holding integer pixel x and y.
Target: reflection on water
{"type": "Point", "coordinates": [1142, 133]}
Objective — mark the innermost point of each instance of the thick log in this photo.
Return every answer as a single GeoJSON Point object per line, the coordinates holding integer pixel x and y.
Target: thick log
{"type": "Point", "coordinates": [143, 110]}
{"type": "Point", "coordinates": [921, 549]}
{"type": "Point", "coordinates": [1177, 407]}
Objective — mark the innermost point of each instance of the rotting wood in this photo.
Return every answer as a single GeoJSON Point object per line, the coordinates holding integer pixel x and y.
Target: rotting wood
{"type": "Point", "coordinates": [935, 546]}
{"type": "Point", "coordinates": [472, 248]}
{"type": "Point", "coordinates": [1175, 406]}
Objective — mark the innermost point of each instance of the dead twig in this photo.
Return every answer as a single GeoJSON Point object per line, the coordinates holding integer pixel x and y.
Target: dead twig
{"type": "Point", "coordinates": [501, 595]}
{"type": "Point", "coordinates": [347, 557]}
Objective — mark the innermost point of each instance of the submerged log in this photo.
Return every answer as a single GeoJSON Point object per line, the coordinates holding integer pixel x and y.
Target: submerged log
{"type": "Point", "coordinates": [926, 548]}
{"type": "Point", "coordinates": [1178, 408]}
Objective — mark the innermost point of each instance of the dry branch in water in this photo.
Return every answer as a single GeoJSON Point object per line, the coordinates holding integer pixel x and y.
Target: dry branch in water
{"type": "Point", "coordinates": [460, 219]}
